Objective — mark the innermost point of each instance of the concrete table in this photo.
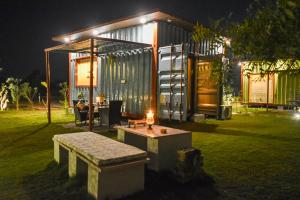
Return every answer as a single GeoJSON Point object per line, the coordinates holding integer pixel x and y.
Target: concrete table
{"type": "Point", "coordinates": [161, 148]}
{"type": "Point", "coordinates": [112, 169]}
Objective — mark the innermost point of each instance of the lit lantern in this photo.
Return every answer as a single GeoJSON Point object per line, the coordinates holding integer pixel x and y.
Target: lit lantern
{"type": "Point", "coordinates": [98, 100]}
{"type": "Point", "coordinates": [150, 119]}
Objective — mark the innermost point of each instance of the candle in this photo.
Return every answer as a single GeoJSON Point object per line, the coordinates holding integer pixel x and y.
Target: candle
{"type": "Point", "coordinates": [150, 119]}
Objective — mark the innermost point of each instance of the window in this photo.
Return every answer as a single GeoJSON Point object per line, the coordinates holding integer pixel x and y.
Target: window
{"type": "Point", "coordinates": [258, 88]}
{"type": "Point", "coordinates": [82, 72]}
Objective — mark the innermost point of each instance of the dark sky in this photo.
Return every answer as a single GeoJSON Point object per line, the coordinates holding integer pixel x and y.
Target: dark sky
{"type": "Point", "coordinates": [26, 27]}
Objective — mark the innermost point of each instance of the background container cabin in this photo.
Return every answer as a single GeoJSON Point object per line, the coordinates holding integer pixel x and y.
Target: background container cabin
{"type": "Point", "coordinates": [284, 87]}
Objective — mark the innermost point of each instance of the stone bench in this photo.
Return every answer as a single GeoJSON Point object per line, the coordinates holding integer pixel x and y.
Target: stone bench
{"type": "Point", "coordinates": [112, 169]}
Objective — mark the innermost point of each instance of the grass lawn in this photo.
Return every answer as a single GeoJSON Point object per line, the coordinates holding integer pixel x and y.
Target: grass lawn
{"type": "Point", "coordinates": [249, 157]}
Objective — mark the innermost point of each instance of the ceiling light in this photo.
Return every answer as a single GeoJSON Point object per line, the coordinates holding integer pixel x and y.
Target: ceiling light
{"type": "Point", "coordinates": [143, 20]}
{"type": "Point", "coordinates": [67, 40]}
{"type": "Point", "coordinates": [169, 20]}
{"type": "Point", "coordinates": [95, 32]}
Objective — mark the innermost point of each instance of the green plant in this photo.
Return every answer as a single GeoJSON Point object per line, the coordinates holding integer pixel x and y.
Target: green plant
{"type": "Point", "coordinates": [15, 90]}
{"type": "Point", "coordinates": [80, 95]}
{"type": "Point", "coordinates": [45, 85]}
{"type": "Point", "coordinates": [28, 93]}
{"type": "Point", "coordinates": [64, 91]}
{"type": "Point", "coordinates": [228, 95]}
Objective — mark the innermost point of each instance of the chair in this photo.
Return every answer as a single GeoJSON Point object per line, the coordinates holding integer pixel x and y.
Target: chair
{"type": "Point", "coordinates": [80, 115]}
{"type": "Point", "coordinates": [75, 102]}
{"type": "Point", "coordinates": [114, 115]}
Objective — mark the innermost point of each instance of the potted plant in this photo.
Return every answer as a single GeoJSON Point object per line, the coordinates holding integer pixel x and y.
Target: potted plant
{"type": "Point", "coordinates": [80, 96]}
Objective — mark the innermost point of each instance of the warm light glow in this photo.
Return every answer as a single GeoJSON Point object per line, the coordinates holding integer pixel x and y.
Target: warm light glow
{"type": "Point", "coordinates": [97, 99]}
{"type": "Point", "coordinates": [100, 99]}
{"type": "Point", "coordinates": [82, 73]}
{"type": "Point", "coordinates": [240, 63]}
{"type": "Point", "coordinates": [148, 33]}
{"type": "Point", "coordinates": [150, 118]}
{"type": "Point", "coordinates": [143, 20]}
{"type": "Point", "coordinates": [95, 32]}
{"type": "Point", "coordinates": [297, 115]}
{"type": "Point", "coordinates": [169, 20]}
{"type": "Point", "coordinates": [67, 40]}
{"type": "Point", "coordinates": [227, 41]}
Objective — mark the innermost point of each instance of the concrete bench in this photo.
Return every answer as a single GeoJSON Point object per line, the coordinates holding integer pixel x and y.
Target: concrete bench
{"type": "Point", "coordinates": [112, 169]}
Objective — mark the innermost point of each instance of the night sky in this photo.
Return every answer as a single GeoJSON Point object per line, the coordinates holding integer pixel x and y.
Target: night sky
{"type": "Point", "coordinates": [26, 27]}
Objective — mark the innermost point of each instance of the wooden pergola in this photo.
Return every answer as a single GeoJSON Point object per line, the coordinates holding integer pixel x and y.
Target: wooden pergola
{"type": "Point", "coordinates": [94, 46]}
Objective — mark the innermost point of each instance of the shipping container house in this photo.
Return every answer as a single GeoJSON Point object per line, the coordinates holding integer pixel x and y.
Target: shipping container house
{"type": "Point", "coordinates": [158, 74]}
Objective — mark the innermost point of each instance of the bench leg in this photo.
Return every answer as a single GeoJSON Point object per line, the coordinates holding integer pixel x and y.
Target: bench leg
{"type": "Point", "coordinates": [60, 154]}
{"type": "Point", "coordinates": [77, 167]}
{"type": "Point", "coordinates": [72, 163]}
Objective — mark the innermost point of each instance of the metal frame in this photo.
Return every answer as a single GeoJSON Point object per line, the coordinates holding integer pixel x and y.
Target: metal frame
{"type": "Point", "coordinates": [80, 46]}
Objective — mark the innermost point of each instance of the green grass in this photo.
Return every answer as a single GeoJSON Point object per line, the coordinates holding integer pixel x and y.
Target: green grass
{"type": "Point", "coordinates": [255, 156]}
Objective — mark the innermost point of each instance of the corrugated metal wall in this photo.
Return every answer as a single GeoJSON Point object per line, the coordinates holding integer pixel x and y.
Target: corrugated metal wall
{"type": "Point", "coordinates": [169, 34]}
{"type": "Point", "coordinates": [287, 88]}
{"type": "Point", "coordinates": [125, 76]}
{"type": "Point", "coordinates": [142, 33]}
{"type": "Point", "coordinates": [205, 49]}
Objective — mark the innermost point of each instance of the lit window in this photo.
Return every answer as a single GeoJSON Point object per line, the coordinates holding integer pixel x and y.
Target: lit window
{"type": "Point", "coordinates": [82, 72]}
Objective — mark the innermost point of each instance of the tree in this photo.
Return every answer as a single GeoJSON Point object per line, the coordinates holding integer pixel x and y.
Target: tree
{"type": "Point", "coordinates": [28, 92]}
{"type": "Point", "coordinates": [3, 97]}
{"type": "Point", "coordinates": [269, 36]}
{"type": "Point", "coordinates": [64, 91]}
{"type": "Point", "coordinates": [15, 90]}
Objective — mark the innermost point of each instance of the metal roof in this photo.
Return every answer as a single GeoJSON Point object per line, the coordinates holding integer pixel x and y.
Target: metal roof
{"type": "Point", "coordinates": [103, 46]}
{"type": "Point", "coordinates": [123, 23]}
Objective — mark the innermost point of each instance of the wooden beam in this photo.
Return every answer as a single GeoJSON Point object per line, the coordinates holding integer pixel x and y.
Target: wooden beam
{"type": "Point", "coordinates": [48, 80]}
{"type": "Point", "coordinates": [91, 111]}
{"type": "Point", "coordinates": [154, 69]}
{"type": "Point", "coordinates": [70, 103]}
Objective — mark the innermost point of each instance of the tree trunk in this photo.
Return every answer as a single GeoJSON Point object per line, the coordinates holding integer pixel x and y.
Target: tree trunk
{"type": "Point", "coordinates": [17, 104]}
{"type": "Point", "coordinates": [268, 90]}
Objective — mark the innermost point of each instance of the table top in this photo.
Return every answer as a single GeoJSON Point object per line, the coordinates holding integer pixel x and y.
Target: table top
{"type": "Point", "coordinates": [100, 150]}
{"type": "Point", "coordinates": [154, 132]}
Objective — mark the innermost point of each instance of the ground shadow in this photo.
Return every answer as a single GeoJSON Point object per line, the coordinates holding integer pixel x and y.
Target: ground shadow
{"type": "Point", "coordinates": [163, 186]}
{"type": "Point", "coordinates": [53, 183]}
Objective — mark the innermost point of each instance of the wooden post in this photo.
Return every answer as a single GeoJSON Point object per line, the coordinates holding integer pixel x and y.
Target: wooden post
{"type": "Point", "coordinates": [154, 69]}
{"type": "Point", "coordinates": [48, 80]}
{"type": "Point", "coordinates": [91, 111]}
